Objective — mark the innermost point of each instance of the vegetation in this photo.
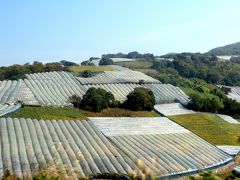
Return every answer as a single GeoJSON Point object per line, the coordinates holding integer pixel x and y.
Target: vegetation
{"type": "Point", "coordinates": [77, 69]}
{"type": "Point", "coordinates": [97, 99]}
{"type": "Point", "coordinates": [87, 63]}
{"type": "Point", "coordinates": [210, 127]}
{"type": "Point", "coordinates": [138, 64]}
{"type": "Point", "coordinates": [231, 49]}
{"type": "Point", "coordinates": [201, 66]}
{"type": "Point", "coordinates": [75, 100]}
{"type": "Point", "coordinates": [106, 61]}
{"type": "Point", "coordinates": [119, 112]}
{"type": "Point", "coordinates": [49, 113]}
{"type": "Point", "coordinates": [141, 99]}
{"type": "Point", "coordinates": [130, 55]}
{"type": "Point", "coordinates": [235, 59]}
{"type": "Point", "coordinates": [68, 63]}
{"type": "Point", "coordinates": [16, 72]}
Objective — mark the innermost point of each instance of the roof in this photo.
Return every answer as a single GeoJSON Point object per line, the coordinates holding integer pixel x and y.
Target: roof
{"type": "Point", "coordinates": [55, 88]}
{"type": "Point", "coordinates": [109, 77]}
{"type": "Point", "coordinates": [26, 145]}
{"type": "Point", "coordinates": [172, 109]}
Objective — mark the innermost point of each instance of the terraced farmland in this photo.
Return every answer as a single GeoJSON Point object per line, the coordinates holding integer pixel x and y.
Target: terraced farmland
{"type": "Point", "coordinates": [26, 145]}
{"type": "Point", "coordinates": [55, 88]}
{"type": "Point", "coordinates": [109, 77]}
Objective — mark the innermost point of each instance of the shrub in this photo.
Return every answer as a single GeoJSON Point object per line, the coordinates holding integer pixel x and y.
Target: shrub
{"type": "Point", "coordinates": [86, 74]}
{"type": "Point", "coordinates": [75, 100]}
{"type": "Point", "coordinates": [87, 63]}
{"type": "Point", "coordinates": [140, 99]}
{"type": "Point", "coordinates": [97, 99]}
{"type": "Point", "coordinates": [105, 61]}
{"type": "Point", "coordinates": [205, 104]}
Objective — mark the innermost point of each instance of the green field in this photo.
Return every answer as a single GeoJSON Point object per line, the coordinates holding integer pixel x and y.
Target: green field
{"type": "Point", "coordinates": [58, 113]}
{"type": "Point", "coordinates": [77, 69]}
{"type": "Point", "coordinates": [49, 113]}
{"type": "Point", "coordinates": [117, 112]}
{"type": "Point", "coordinates": [138, 64]}
{"type": "Point", "coordinates": [210, 127]}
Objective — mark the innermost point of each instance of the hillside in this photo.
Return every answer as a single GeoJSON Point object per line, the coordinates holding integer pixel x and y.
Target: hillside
{"type": "Point", "coordinates": [231, 49]}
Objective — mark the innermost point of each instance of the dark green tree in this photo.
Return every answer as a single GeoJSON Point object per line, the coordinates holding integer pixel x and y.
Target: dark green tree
{"type": "Point", "coordinates": [106, 61]}
{"type": "Point", "coordinates": [97, 99]}
{"type": "Point", "coordinates": [140, 99]}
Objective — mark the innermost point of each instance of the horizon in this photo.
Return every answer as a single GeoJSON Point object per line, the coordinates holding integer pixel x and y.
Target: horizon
{"type": "Point", "coordinates": [57, 30]}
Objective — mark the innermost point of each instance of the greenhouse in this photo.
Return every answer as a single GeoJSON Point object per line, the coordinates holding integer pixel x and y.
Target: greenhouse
{"type": "Point", "coordinates": [92, 147]}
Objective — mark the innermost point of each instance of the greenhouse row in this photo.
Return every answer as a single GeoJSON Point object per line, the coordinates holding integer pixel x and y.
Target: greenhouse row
{"type": "Point", "coordinates": [235, 93]}
{"type": "Point", "coordinates": [84, 149]}
{"type": "Point", "coordinates": [109, 77]}
{"type": "Point", "coordinates": [9, 108]}
{"type": "Point", "coordinates": [55, 88]}
{"type": "Point", "coordinates": [172, 109]}
{"type": "Point", "coordinates": [110, 126]}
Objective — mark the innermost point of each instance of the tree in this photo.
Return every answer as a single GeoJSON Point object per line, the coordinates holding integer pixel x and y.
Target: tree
{"type": "Point", "coordinates": [86, 74]}
{"type": "Point", "coordinates": [106, 61]}
{"type": "Point", "coordinates": [97, 99]}
{"type": "Point", "coordinates": [205, 104]}
{"type": "Point", "coordinates": [68, 63]}
{"type": "Point", "coordinates": [87, 63]}
{"type": "Point", "coordinates": [75, 100]}
{"type": "Point", "coordinates": [140, 99]}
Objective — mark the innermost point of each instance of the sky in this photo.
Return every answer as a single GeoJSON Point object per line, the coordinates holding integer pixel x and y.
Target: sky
{"type": "Point", "coordinates": [78, 29]}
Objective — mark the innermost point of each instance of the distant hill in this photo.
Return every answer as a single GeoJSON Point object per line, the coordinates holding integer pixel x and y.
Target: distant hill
{"type": "Point", "coordinates": [231, 49]}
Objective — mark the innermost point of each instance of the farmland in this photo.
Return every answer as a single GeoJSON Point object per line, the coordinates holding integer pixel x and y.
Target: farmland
{"type": "Point", "coordinates": [77, 69]}
{"type": "Point", "coordinates": [117, 112]}
{"type": "Point", "coordinates": [210, 127]}
{"type": "Point", "coordinates": [105, 145]}
{"type": "Point", "coordinates": [49, 113]}
{"type": "Point", "coordinates": [68, 113]}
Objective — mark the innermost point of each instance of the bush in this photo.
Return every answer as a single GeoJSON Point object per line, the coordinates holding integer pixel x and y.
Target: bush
{"type": "Point", "coordinates": [97, 99]}
{"type": "Point", "coordinates": [205, 104]}
{"type": "Point", "coordinates": [75, 100]}
{"type": "Point", "coordinates": [87, 63]}
{"type": "Point", "coordinates": [86, 74]}
{"type": "Point", "coordinates": [105, 61]}
{"type": "Point", "coordinates": [140, 99]}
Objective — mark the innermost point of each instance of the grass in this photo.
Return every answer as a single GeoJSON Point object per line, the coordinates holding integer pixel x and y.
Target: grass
{"type": "Point", "coordinates": [68, 113]}
{"type": "Point", "coordinates": [138, 64]}
{"type": "Point", "coordinates": [77, 69]}
{"type": "Point", "coordinates": [117, 112]}
{"type": "Point", "coordinates": [210, 127]}
{"type": "Point", "coordinates": [49, 113]}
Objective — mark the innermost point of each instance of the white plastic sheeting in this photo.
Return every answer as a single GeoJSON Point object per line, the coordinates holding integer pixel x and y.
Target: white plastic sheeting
{"type": "Point", "coordinates": [96, 61]}
{"type": "Point", "coordinates": [109, 77]}
{"type": "Point", "coordinates": [168, 150]}
{"type": "Point", "coordinates": [9, 108]}
{"type": "Point", "coordinates": [55, 88]}
{"type": "Point", "coordinates": [232, 150]}
{"type": "Point", "coordinates": [164, 93]}
{"type": "Point", "coordinates": [229, 119]}
{"type": "Point", "coordinates": [26, 145]}
{"type": "Point", "coordinates": [136, 126]}
{"type": "Point", "coordinates": [172, 109]}
{"type": "Point", "coordinates": [234, 93]}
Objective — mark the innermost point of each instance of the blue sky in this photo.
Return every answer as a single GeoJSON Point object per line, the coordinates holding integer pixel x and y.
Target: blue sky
{"type": "Point", "coordinates": [75, 30]}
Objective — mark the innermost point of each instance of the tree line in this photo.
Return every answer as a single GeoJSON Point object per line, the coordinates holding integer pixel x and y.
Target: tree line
{"type": "Point", "coordinates": [202, 66]}
{"type": "Point", "coordinates": [17, 71]}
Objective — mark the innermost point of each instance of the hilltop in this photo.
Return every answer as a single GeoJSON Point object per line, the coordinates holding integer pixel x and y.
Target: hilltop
{"type": "Point", "coordinates": [231, 49]}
